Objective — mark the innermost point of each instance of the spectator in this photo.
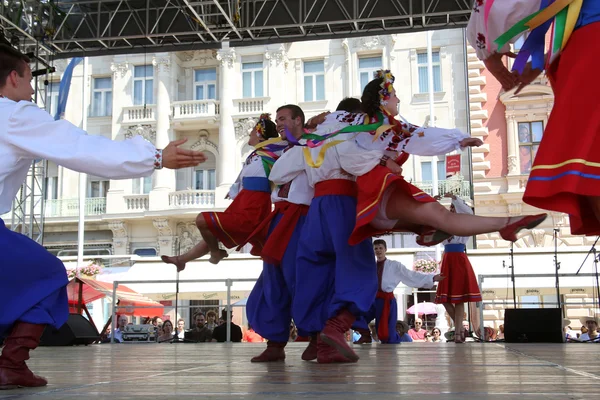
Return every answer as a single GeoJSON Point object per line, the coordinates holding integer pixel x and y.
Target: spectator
{"type": "Point", "coordinates": [402, 328]}
{"type": "Point", "coordinates": [166, 332]}
{"type": "Point", "coordinates": [500, 332]}
{"type": "Point", "coordinates": [211, 320]}
{"type": "Point", "coordinates": [121, 323]}
{"type": "Point", "coordinates": [252, 337]}
{"type": "Point", "coordinates": [200, 333]}
{"type": "Point", "coordinates": [180, 334]}
{"type": "Point", "coordinates": [418, 333]}
{"type": "Point", "coordinates": [220, 332]}
{"type": "Point", "coordinates": [436, 335]}
{"type": "Point", "coordinates": [592, 329]}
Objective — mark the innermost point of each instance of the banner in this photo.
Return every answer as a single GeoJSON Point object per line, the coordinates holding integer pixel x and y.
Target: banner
{"type": "Point", "coordinates": [452, 164]}
{"type": "Point", "coordinates": [65, 85]}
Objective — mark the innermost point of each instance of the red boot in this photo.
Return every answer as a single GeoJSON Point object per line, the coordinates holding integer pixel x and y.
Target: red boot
{"type": "Point", "coordinates": [509, 232]}
{"type": "Point", "coordinates": [273, 352]}
{"type": "Point", "coordinates": [365, 336]}
{"type": "Point", "coordinates": [334, 333]}
{"type": "Point", "coordinates": [14, 372]}
{"type": "Point", "coordinates": [327, 354]}
{"type": "Point", "coordinates": [310, 353]}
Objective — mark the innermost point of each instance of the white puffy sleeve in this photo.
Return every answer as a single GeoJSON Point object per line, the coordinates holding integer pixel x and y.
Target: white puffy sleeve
{"type": "Point", "coordinates": [396, 272]}
{"type": "Point", "coordinates": [288, 166]}
{"type": "Point", "coordinates": [356, 160]}
{"type": "Point", "coordinates": [461, 207]}
{"type": "Point", "coordinates": [35, 134]}
{"type": "Point", "coordinates": [434, 141]}
{"type": "Point", "coordinates": [501, 16]}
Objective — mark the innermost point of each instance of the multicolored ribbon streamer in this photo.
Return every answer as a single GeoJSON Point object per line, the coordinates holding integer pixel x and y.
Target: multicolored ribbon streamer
{"type": "Point", "coordinates": [534, 46]}
{"type": "Point", "coordinates": [268, 151]}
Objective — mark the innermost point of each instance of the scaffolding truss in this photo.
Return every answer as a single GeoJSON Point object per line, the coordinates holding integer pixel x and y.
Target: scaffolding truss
{"type": "Point", "coordinates": [67, 28]}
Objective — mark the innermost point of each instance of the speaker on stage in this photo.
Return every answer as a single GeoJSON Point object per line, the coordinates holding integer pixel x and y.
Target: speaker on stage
{"type": "Point", "coordinates": [533, 325]}
{"type": "Point", "coordinates": [77, 330]}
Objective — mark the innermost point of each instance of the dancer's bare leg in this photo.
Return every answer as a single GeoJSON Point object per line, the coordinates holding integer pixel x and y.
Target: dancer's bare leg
{"type": "Point", "coordinates": [216, 254]}
{"type": "Point", "coordinates": [402, 207]}
{"type": "Point", "coordinates": [459, 314]}
{"type": "Point", "coordinates": [450, 310]}
{"type": "Point", "coordinates": [198, 251]}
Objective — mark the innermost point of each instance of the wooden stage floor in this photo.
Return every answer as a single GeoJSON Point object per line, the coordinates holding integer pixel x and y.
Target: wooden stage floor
{"type": "Point", "coordinates": [223, 371]}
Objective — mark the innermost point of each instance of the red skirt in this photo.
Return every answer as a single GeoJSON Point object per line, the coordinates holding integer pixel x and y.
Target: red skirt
{"type": "Point", "coordinates": [233, 226]}
{"type": "Point", "coordinates": [371, 188]}
{"type": "Point", "coordinates": [460, 285]}
{"type": "Point", "coordinates": [567, 166]}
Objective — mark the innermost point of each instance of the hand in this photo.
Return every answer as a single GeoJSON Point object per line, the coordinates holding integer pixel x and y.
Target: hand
{"type": "Point", "coordinates": [494, 64]}
{"type": "Point", "coordinates": [175, 157]}
{"type": "Point", "coordinates": [438, 278]}
{"type": "Point", "coordinates": [471, 142]}
{"type": "Point", "coordinates": [394, 167]}
{"type": "Point", "coordinates": [437, 197]}
{"type": "Point", "coordinates": [450, 196]}
{"type": "Point", "coordinates": [316, 120]}
{"type": "Point", "coordinates": [529, 75]}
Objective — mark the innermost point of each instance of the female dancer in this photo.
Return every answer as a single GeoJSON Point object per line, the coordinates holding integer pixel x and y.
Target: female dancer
{"type": "Point", "coordinates": [566, 169]}
{"type": "Point", "coordinates": [460, 285]}
{"type": "Point", "coordinates": [251, 194]}
{"type": "Point", "coordinates": [386, 202]}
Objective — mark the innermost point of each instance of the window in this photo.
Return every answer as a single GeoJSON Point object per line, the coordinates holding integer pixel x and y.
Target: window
{"type": "Point", "coordinates": [142, 185]}
{"type": "Point", "coordinates": [51, 181]}
{"type": "Point", "coordinates": [427, 173]}
{"type": "Point", "coordinates": [424, 76]}
{"type": "Point", "coordinates": [205, 84]}
{"type": "Point", "coordinates": [367, 66]}
{"type": "Point", "coordinates": [143, 85]}
{"type": "Point", "coordinates": [530, 136]}
{"type": "Point", "coordinates": [52, 98]}
{"type": "Point", "coordinates": [205, 179]}
{"type": "Point", "coordinates": [98, 188]}
{"type": "Point", "coordinates": [314, 80]}
{"type": "Point", "coordinates": [252, 78]}
{"type": "Point", "coordinates": [102, 97]}
{"type": "Point", "coordinates": [145, 252]}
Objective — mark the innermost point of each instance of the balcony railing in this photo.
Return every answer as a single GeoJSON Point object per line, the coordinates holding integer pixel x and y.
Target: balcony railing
{"type": "Point", "coordinates": [137, 202]}
{"type": "Point", "coordinates": [192, 199]}
{"type": "Point", "coordinates": [70, 207]}
{"type": "Point", "coordinates": [195, 108]}
{"type": "Point", "coordinates": [139, 114]}
{"type": "Point", "coordinates": [460, 188]}
{"type": "Point", "coordinates": [250, 106]}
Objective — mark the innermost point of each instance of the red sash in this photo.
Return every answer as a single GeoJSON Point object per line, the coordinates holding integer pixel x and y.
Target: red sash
{"type": "Point", "coordinates": [336, 187]}
{"type": "Point", "coordinates": [383, 330]}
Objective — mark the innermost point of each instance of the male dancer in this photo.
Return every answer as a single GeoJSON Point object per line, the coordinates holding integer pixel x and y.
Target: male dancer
{"type": "Point", "coordinates": [32, 281]}
{"type": "Point", "coordinates": [335, 282]}
{"type": "Point", "coordinates": [269, 306]}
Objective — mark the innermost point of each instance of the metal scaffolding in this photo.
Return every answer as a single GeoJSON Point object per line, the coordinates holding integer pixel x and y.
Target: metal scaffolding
{"type": "Point", "coordinates": [68, 28]}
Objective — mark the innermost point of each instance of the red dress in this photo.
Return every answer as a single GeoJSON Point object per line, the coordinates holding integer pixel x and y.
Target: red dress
{"type": "Point", "coordinates": [566, 169]}
{"type": "Point", "coordinates": [460, 285]}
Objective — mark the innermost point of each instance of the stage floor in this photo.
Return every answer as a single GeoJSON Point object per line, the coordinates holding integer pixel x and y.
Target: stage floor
{"type": "Point", "coordinates": [224, 371]}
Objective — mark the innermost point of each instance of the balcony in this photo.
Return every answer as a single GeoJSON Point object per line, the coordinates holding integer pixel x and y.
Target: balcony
{"type": "Point", "coordinates": [137, 202]}
{"type": "Point", "coordinates": [252, 106]}
{"type": "Point", "coordinates": [57, 208]}
{"type": "Point", "coordinates": [194, 109]}
{"type": "Point", "coordinates": [460, 188]}
{"type": "Point", "coordinates": [139, 114]}
{"type": "Point", "coordinates": [192, 199]}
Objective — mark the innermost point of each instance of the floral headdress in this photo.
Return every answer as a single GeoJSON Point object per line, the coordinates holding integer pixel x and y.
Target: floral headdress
{"type": "Point", "coordinates": [261, 125]}
{"type": "Point", "coordinates": [386, 86]}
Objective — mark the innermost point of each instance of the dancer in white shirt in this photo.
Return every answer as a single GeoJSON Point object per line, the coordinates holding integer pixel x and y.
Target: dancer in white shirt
{"type": "Point", "coordinates": [32, 281]}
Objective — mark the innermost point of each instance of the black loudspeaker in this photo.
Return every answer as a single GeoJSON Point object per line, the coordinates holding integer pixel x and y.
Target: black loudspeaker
{"type": "Point", "coordinates": [533, 325]}
{"type": "Point", "coordinates": [77, 330]}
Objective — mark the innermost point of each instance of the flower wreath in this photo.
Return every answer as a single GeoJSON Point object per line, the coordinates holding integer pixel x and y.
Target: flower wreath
{"type": "Point", "coordinates": [261, 125]}
{"type": "Point", "coordinates": [386, 86]}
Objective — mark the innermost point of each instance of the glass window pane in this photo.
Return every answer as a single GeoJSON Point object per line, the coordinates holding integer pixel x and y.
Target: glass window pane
{"type": "Point", "coordinates": [147, 184]}
{"type": "Point", "coordinates": [199, 184]}
{"type": "Point", "coordinates": [149, 88]}
{"type": "Point", "coordinates": [212, 179]}
{"type": "Point", "coordinates": [108, 104]}
{"type": "Point", "coordinates": [364, 79]}
{"type": "Point", "coordinates": [426, 173]}
{"type": "Point", "coordinates": [258, 84]}
{"type": "Point", "coordinates": [320, 87]}
{"type": "Point", "coordinates": [370, 62]}
{"type": "Point", "coordinates": [524, 133]}
{"type": "Point", "coordinates": [138, 92]}
{"type": "Point", "coordinates": [537, 129]}
{"type": "Point", "coordinates": [95, 189]}
{"type": "Point", "coordinates": [139, 71]}
{"type": "Point", "coordinates": [96, 104]}
{"type": "Point", "coordinates": [525, 159]}
{"type": "Point", "coordinates": [423, 82]}
{"type": "Point", "coordinates": [200, 92]}
{"type": "Point", "coordinates": [535, 150]}
{"type": "Point", "coordinates": [212, 92]}
{"type": "Point", "coordinates": [102, 83]}
{"type": "Point", "coordinates": [314, 66]}
{"type": "Point", "coordinates": [441, 170]}
{"type": "Point", "coordinates": [247, 84]}
{"type": "Point", "coordinates": [437, 78]}
{"type": "Point", "coordinates": [136, 186]}
{"type": "Point", "coordinates": [205, 75]}
{"type": "Point", "coordinates": [308, 88]}
{"type": "Point", "coordinates": [422, 58]}
{"type": "Point", "coordinates": [252, 65]}
{"type": "Point", "coordinates": [435, 56]}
